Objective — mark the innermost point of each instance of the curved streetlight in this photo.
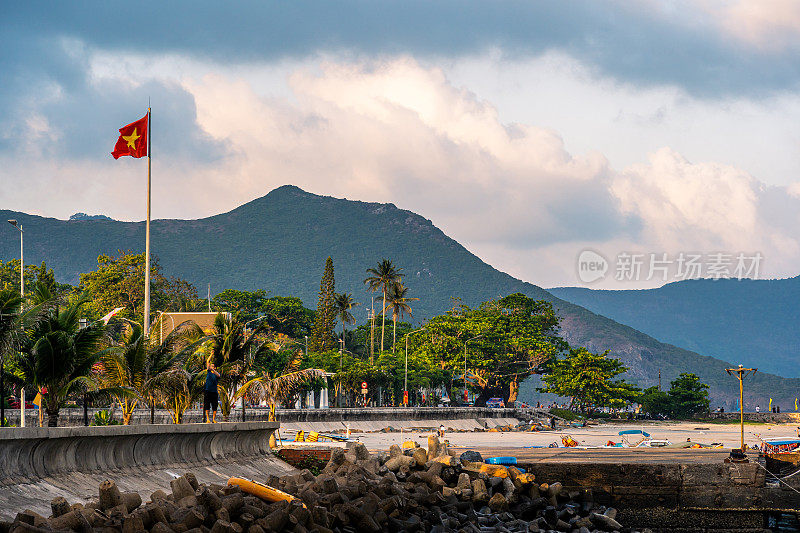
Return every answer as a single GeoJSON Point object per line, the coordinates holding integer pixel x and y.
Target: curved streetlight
{"type": "Point", "coordinates": [405, 380]}
{"type": "Point", "coordinates": [244, 328]}
{"type": "Point", "coordinates": [161, 324]}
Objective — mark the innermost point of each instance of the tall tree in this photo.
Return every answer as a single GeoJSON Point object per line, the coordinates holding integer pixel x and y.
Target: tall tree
{"type": "Point", "coordinates": [507, 341]}
{"type": "Point", "coordinates": [322, 334]}
{"type": "Point", "coordinates": [133, 363]}
{"type": "Point", "coordinates": [11, 330]}
{"type": "Point", "coordinates": [588, 378]}
{"type": "Point", "coordinates": [232, 350]}
{"type": "Point", "coordinates": [343, 303]}
{"type": "Point", "coordinates": [688, 396]}
{"type": "Point", "coordinates": [59, 354]}
{"type": "Point", "coordinates": [119, 282]}
{"type": "Point", "coordinates": [397, 300]}
{"type": "Point", "coordinates": [381, 278]}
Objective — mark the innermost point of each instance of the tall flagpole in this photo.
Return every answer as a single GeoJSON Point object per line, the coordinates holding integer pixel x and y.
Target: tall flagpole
{"type": "Point", "coordinates": [147, 240]}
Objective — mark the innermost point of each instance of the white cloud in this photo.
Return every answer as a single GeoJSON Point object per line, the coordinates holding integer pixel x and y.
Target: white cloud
{"type": "Point", "coordinates": [706, 204]}
{"type": "Point", "coordinates": [768, 24]}
{"type": "Point", "coordinates": [394, 130]}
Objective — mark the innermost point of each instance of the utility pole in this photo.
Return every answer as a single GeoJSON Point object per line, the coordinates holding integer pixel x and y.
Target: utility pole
{"type": "Point", "coordinates": [741, 373]}
{"type": "Point", "coordinates": [659, 381]}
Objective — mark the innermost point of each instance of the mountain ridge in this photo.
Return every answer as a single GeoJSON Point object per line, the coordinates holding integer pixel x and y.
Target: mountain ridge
{"type": "Point", "coordinates": [752, 321]}
{"type": "Point", "coordinates": [280, 241]}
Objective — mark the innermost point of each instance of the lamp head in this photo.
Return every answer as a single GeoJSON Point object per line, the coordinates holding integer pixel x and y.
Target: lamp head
{"type": "Point", "coordinates": [13, 222]}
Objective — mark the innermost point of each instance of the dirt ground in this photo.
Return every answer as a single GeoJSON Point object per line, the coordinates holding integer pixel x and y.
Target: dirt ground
{"type": "Point", "coordinates": [594, 435]}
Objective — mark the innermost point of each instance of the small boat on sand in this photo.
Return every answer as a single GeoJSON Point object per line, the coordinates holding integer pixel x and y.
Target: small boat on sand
{"type": "Point", "coordinates": [636, 438]}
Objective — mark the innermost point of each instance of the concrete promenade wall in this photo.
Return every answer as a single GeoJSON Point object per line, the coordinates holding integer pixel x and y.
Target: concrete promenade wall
{"type": "Point", "coordinates": [38, 464]}
{"type": "Point", "coordinates": [478, 415]}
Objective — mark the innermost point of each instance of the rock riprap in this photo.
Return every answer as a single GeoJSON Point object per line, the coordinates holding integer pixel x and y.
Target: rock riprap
{"type": "Point", "coordinates": [415, 490]}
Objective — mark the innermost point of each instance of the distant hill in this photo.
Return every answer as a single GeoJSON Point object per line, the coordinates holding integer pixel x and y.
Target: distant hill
{"type": "Point", "coordinates": [753, 322]}
{"type": "Point", "coordinates": [280, 242]}
{"type": "Point", "coordinates": [84, 216]}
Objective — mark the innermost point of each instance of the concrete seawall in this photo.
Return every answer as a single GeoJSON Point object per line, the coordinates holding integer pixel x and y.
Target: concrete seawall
{"type": "Point", "coordinates": [38, 464]}
{"type": "Point", "coordinates": [669, 490]}
{"type": "Point", "coordinates": [74, 416]}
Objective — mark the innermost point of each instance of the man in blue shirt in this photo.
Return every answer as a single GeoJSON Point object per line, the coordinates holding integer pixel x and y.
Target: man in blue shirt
{"type": "Point", "coordinates": [210, 394]}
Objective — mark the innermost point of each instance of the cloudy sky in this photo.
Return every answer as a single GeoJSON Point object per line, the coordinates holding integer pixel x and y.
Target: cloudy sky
{"type": "Point", "coordinates": [528, 131]}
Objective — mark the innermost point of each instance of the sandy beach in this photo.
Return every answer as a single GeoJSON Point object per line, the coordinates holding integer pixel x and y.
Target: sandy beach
{"type": "Point", "coordinates": [593, 435]}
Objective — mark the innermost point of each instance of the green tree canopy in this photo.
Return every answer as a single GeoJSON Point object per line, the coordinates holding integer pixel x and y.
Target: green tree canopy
{"type": "Point", "coordinates": [9, 278]}
{"type": "Point", "coordinates": [688, 396]}
{"type": "Point", "coordinates": [506, 341]}
{"type": "Point", "coordinates": [656, 403]}
{"type": "Point", "coordinates": [588, 379]}
{"type": "Point", "coordinates": [119, 282]}
{"type": "Point", "coordinates": [286, 315]}
{"type": "Point", "coordinates": [322, 338]}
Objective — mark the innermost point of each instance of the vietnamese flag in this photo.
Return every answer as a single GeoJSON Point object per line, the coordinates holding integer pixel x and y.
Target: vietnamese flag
{"type": "Point", "coordinates": [132, 139]}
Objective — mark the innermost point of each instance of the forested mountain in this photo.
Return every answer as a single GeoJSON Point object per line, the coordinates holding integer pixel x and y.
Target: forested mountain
{"type": "Point", "coordinates": [753, 322]}
{"type": "Point", "coordinates": [280, 243]}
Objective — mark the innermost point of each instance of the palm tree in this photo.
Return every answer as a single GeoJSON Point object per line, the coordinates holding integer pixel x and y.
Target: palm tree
{"type": "Point", "coordinates": [383, 277]}
{"type": "Point", "coordinates": [343, 303]}
{"type": "Point", "coordinates": [59, 355]}
{"type": "Point", "coordinates": [180, 388]}
{"type": "Point", "coordinates": [233, 352]}
{"type": "Point", "coordinates": [11, 330]}
{"type": "Point", "coordinates": [279, 386]}
{"type": "Point", "coordinates": [134, 362]}
{"type": "Point", "coordinates": [397, 301]}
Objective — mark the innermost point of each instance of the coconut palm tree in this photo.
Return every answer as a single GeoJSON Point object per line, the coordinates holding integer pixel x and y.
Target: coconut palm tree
{"type": "Point", "coordinates": [233, 352]}
{"type": "Point", "coordinates": [180, 388]}
{"type": "Point", "coordinates": [381, 278]}
{"type": "Point", "coordinates": [10, 326]}
{"type": "Point", "coordinates": [11, 331]}
{"type": "Point", "coordinates": [343, 303]}
{"type": "Point", "coordinates": [397, 300]}
{"type": "Point", "coordinates": [133, 363]}
{"type": "Point", "coordinates": [58, 354]}
{"type": "Point", "coordinates": [280, 386]}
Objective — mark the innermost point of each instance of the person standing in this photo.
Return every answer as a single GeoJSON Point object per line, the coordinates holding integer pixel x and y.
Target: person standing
{"type": "Point", "coordinates": [210, 393]}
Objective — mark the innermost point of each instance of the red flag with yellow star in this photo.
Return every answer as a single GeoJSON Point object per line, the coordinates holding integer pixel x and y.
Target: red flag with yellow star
{"type": "Point", "coordinates": [132, 139]}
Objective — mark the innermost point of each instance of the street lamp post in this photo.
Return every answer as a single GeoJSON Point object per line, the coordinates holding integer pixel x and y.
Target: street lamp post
{"type": "Point", "coordinates": [405, 380]}
{"type": "Point", "coordinates": [2, 359]}
{"type": "Point", "coordinates": [161, 325]}
{"type": "Point", "coordinates": [339, 388]}
{"type": "Point", "coordinates": [465, 362]}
